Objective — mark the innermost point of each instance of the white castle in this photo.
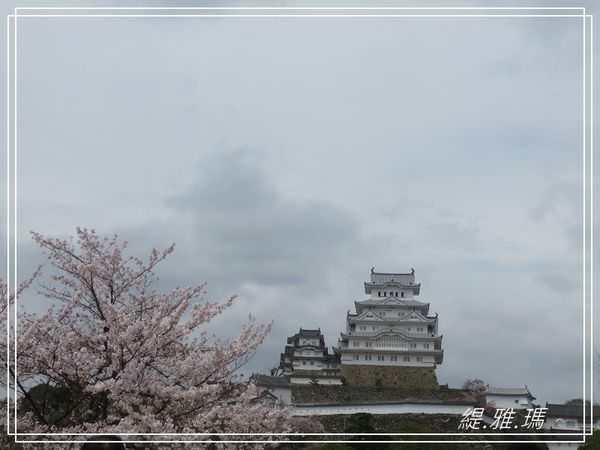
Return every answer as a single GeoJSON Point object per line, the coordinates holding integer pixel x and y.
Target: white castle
{"type": "Point", "coordinates": [390, 340]}
{"type": "Point", "coordinates": [391, 328]}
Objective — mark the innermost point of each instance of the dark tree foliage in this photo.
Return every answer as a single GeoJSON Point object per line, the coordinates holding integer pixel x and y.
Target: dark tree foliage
{"type": "Point", "coordinates": [592, 442]}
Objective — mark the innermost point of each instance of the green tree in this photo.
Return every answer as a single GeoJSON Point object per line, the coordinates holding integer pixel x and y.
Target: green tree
{"type": "Point", "coordinates": [592, 442]}
{"type": "Point", "coordinates": [363, 423]}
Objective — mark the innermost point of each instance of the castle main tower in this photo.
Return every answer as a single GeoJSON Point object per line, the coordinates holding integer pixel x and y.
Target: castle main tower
{"type": "Point", "coordinates": [391, 340]}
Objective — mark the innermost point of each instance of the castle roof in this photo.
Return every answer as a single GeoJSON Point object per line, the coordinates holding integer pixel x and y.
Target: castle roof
{"type": "Point", "coordinates": [368, 315]}
{"type": "Point", "coordinates": [570, 411]}
{"type": "Point", "coordinates": [270, 381]}
{"type": "Point", "coordinates": [391, 301]}
{"type": "Point", "coordinates": [509, 391]}
{"type": "Point", "coordinates": [264, 396]}
{"type": "Point", "coordinates": [383, 277]}
{"type": "Point", "coordinates": [401, 333]}
{"type": "Point", "coordinates": [381, 280]}
{"type": "Point", "coordinates": [307, 334]}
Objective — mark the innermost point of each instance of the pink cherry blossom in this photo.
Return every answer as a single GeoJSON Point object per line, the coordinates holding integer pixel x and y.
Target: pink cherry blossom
{"type": "Point", "coordinates": [129, 357]}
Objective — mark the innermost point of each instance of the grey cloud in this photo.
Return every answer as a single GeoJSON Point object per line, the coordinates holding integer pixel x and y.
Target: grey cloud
{"type": "Point", "coordinates": [241, 221]}
{"type": "Point", "coordinates": [559, 281]}
{"type": "Point", "coordinates": [385, 145]}
{"type": "Point", "coordinates": [456, 235]}
{"type": "Point", "coordinates": [560, 205]}
{"type": "Point", "coordinates": [556, 198]}
{"type": "Point", "coordinates": [233, 225]}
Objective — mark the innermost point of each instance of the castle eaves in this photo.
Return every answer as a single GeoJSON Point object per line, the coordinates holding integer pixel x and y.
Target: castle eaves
{"type": "Point", "coordinates": [509, 391]}
{"type": "Point", "coordinates": [394, 300]}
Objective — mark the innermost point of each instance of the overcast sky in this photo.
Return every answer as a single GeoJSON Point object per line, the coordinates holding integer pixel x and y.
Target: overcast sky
{"type": "Point", "coordinates": [286, 157]}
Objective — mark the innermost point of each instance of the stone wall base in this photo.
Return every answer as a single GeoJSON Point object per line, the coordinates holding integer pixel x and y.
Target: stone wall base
{"type": "Point", "coordinates": [390, 376]}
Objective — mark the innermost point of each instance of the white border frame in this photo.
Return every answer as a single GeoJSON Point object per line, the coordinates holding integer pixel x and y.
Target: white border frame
{"type": "Point", "coordinates": [585, 80]}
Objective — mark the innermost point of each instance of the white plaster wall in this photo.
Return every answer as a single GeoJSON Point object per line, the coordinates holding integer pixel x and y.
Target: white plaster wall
{"type": "Point", "coordinates": [300, 380]}
{"type": "Point", "coordinates": [567, 424]}
{"type": "Point", "coordinates": [283, 394]}
{"type": "Point", "coordinates": [508, 401]}
{"type": "Point", "coordinates": [390, 343]}
{"type": "Point", "coordinates": [315, 366]}
{"type": "Point", "coordinates": [408, 294]}
{"type": "Point", "coordinates": [308, 352]}
{"type": "Point", "coordinates": [561, 446]}
{"type": "Point", "coordinates": [391, 408]}
{"type": "Point", "coordinates": [348, 359]}
{"type": "Point", "coordinates": [304, 380]}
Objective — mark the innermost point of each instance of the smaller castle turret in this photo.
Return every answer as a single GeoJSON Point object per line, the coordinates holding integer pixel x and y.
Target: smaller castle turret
{"type": "Point", "coordinates": [306, 359]}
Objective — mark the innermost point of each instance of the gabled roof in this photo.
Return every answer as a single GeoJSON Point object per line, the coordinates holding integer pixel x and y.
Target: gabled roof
{"type": "Point", "coordinates": [368, 315]}
{"type": "Point", "coordinates": [509, 391]}
{"type": "Point", "coordinates": [264, 396]}
{"type": "Point", "coordinates": [416, 316]}
{"type": "Point", "coordinates": [413, 316]}
{"type": "Point", "coordinates": [401, 333]}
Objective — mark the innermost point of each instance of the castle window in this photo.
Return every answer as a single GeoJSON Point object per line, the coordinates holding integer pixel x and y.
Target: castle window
{"type": "Point", "coordinates": [407, 358]}
{"type": "Point", "coordinates": [412, 345]}
{"type": "Point", "coordinates": [402, 294]}
{"type": "Point", "coordinates": [393, 358]}
{"type": "Point", "coordinates": [368, 344]}
{"type": "Point", "coordinates": [385, 294]}
{"type": "Point", "coordinates": [356, 357]}
{"type": "Point", "coordinates": [419, 359]}
{"type": "Point", "coordinates": [396, 294]}
{"type": "Point", "coordinates": [425, 345]}
{"type": "Point", "coordinates": [367, 357]}
{"type": "Point", "coordinates": [516, 401]}
{"type": "Point", "coordinates": [380, 358]}
{"type": "Point", "coordinates": [312, 363]}
{"type": "Point", "coordinates": [303, 363]}
{"type": "Point", "coordinates": [378, 293]}
{"type": "Point", "coordinates": [419, 328]}
{"type": "Point", "coordinates": [355, 344]}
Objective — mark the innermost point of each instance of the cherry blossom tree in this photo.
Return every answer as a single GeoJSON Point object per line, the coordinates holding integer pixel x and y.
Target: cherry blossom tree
{"type": "Point", "coordinates": [6, 362]}
{"type": "Point", "coordinates": [112, 354]}
{"type": "Point", "coordinates": [476, 388]}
